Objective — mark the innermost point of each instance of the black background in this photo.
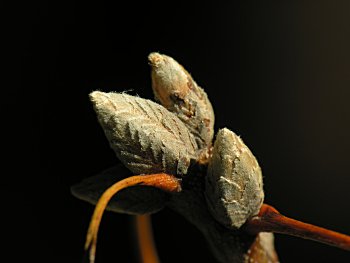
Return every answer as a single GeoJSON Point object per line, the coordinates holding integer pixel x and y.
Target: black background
{"type": "Point", "coordinates": [277, 73]}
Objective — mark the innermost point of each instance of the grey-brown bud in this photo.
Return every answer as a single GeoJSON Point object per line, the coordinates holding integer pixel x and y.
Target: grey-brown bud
{"type": "Point", "coordinates": [234, 188]}
{"type": "Point", "coordinates": [146, 137]}
{"type": "Point", "coordinates": [174, 87]}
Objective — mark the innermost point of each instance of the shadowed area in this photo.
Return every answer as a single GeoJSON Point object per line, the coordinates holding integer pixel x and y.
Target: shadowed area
{"type": "Point", "coordinates": [131, 200]}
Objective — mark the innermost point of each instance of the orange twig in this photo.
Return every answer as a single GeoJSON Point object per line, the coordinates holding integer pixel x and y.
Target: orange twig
{"type": "Point", "coordinates": [148, 250]}
{"type": "Point", "coordinates": [162, 181]}
{"type": "Point", "coordinates": [270, 220]}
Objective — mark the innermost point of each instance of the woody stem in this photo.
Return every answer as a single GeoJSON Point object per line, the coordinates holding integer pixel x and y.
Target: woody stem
{"type": "Point", "coordinates": [270, 220]}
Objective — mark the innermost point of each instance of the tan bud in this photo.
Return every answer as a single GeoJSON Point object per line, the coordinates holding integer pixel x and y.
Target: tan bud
{"type": "Point", "coordinates": [234, 188]}
{"type": "Point", "coordinates": [146, 137]}
{"type": "Point", "coordinates": [174, 87]}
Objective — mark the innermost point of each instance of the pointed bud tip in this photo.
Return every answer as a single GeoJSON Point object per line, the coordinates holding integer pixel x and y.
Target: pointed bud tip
{"type": "Point", "coordinates": [155, 59]}
{"type": "Point", "coordinates": [96, 96]}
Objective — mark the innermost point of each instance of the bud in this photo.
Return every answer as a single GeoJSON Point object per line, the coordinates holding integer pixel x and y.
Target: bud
{"type": "Point", "coordinates": [234, 189]}
{"type": "Point", "coordinates": [146, 137]}
{"type": "Point", "coordinates": [175, 89]}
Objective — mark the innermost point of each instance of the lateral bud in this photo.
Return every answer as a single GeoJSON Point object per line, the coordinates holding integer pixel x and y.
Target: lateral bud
{"type": "Point", "coordinates": [234, 188]}
{"type": "Point", "coordinates": [146, 137]}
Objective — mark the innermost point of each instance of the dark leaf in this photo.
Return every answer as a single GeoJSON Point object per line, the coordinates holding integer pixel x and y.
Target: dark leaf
{"type": "Point", "coordinates": [133, 200]}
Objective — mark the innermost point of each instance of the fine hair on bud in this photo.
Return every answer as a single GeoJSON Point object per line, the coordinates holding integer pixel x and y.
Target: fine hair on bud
{"type": "Point", "coordinates": [145, 136]}
{"type": "Point", "coordinates": [175, 89]}
{"type": "Point", "coordinates": [234, 188]}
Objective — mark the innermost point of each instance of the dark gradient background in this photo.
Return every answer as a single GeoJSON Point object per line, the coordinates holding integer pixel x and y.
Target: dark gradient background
{"type": "Point", "coordinates": [277, 73]}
